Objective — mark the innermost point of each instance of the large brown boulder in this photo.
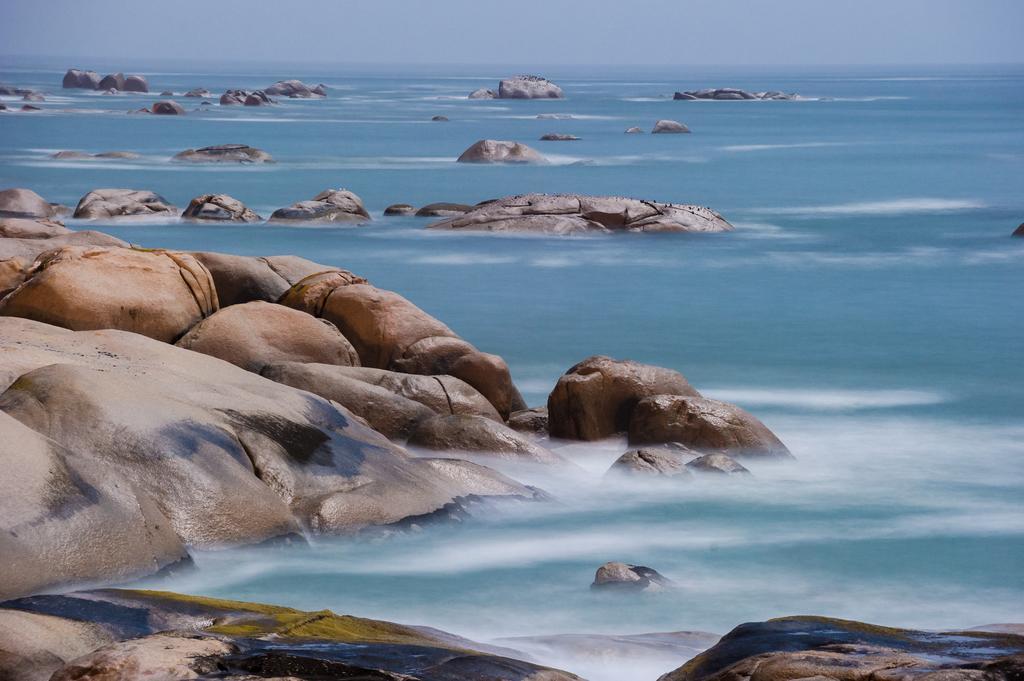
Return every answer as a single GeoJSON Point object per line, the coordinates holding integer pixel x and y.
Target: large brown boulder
{"type": "Point", "coordinates": [135, 83]}
{"type": "Point", "coordinates": [253, 335]}
{"type": "Point", "coordinates": [168, 107]}
{"type": "Point", "coordinates": [25, 228]}
{"type": "Point", "coordinates": [18, 202]}
{"type": "Point", "coordinates": [86, 80]}
{"type": "Point", "coordinates": [595, 398]}
{"type": "Point", "coordinates": [330, 205]}
{"type": "Point", "coordinates": [226, 455]}
{"type": "Point", "coordinates": [702, 424]}
{"type": "Point", "coordinates": [220, 207]}
{"type": "Point", "coordinates": [567, 214]}
{"type": "Point", "coordinates": [442, 394]}
{"type": "Point", "coordinates": [241, 278]}
{"type": "Point", "coordinates": [113, 203]}
{"type": "Point", "coordinates": [29, 248]}
{"type": "Point", "coordinates": [479, 435]}
{"type": "Point", "coordinates": [389, 332]}
{"type": "Point", "coordinates": [500, 151]}
{"type": "Point", "coordinates": [50, 500]}
{"type": "Point", "coordinates": [112, 81]}
{"type": "Point", "coordinates": [160, 294]}
{"type": "Point", "coordinates": [387, 412]}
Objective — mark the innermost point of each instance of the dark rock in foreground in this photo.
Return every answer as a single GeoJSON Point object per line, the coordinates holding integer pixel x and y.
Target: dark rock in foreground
{"type": "Point", "coordinates": [119, 635]}
{"type": "Point", "coordinates": [622, 576]}
{"type": "Point", "coordinates": [793, 648]}
{"type": "Point", "coordinates": [224, 153]}
{"type": "Point", "coordinates": [500, 151]}
{"type": "Point", "coordinates": [566, 214]}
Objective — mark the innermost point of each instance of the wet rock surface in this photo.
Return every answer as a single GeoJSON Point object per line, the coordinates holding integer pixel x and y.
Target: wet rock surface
{"type": "Point", "coordinates": [625, 577]}
{"type": "Point", "coordinates": [329, 206]}
{"type": "Point", "coordinates": [113, 203]}
{"type": "Point", "coordinates": [219, 207]}
{"type": "Point", "coordinates": [224, 153]}
{"type": "Point", "coordinates": [726, 93]}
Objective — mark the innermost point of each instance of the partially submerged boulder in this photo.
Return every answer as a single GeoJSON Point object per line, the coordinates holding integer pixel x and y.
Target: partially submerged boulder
{"type": "Point", "coordinates": [103, 155]}
{"type": "Point", "coordinates": [253, 335]}
{"type": "Point", "coordinates": [558, 137]}
{"type": "Point", "coordinates": [718, 463]}
{"type": "Point", "coordinates": [634, 130]}
{"type": "Point", "coordinates": [224, 153]}
{"type": "Point", "coordinates": [479, 435]}
{"type": "Point", "coordinates": [200, 92]}
{"type": "Point", "coordinates": [246, 98]}
{"type": "Point", "coordinates": [498, 151]}
{"type": "Point", "coordinates": [293, 88]}
{"type": "Point", "coordinates": [623, 576]}
{"type": "Point", "coordinates": [528, 87]}
{"type": "Point", "coordinates": [666, 126]}
{"type": "Point", "coordinates": [595, 399]}
{"type": "Point", "coordinates": [567, 214]}
{"type": "Point", "coordinates": [654, 462]}
{"type": "Point", "coordinates": [1019, 231]}
{"type": "Point", "coordinates": [18, 202]}
{"type": "Point", "coordinates": [112, 81]}
{"type": "Point", "coordinates": [135, 83]}
{"type": "Point", "coordinates": [702, 424]}
{"type": "Point", "coordinates": [482, 93]}
{"type": "Point", "coordinates": [219, 207]}
{"type": "Point", "coordinates": [168, 107]}
{"type": "Point", "coordinates": [400, 209]}
{"type": "Point", "coordinates": [26, 228]}
{"type": "Point", "coordinates": [114, 203]}
{"type": "Point", "coordinates": [389, 332]}
{"type": "Point", "coordinates": [443, 209]}
{"type": "Point", "coordinates": [727, 93]}
{"type": "Point", "coordinates": [84, 80]}
{"type": "Point", "coordinates": [160, 294]}
{"type": "Point", "coordinates": [329, 206]}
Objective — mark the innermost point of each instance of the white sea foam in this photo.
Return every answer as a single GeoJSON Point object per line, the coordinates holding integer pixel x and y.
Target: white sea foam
{"type": "Point", "coordinates": [463, 259]}
{"type": "Point", "coordinates": [824, 400]}
{"type": "Point", "coordinates": [769, 147]}
{"type": "Point", "coordinates": [907, 206]}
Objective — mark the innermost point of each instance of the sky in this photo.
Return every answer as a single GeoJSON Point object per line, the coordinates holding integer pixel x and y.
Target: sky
{"type": "Point", "coordinates": [668, 32]}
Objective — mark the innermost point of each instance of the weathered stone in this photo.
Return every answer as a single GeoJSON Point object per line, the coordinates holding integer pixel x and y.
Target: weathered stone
{"type": "Point", "coordinates": [25, 228]}
{"type": "Point", "coordinates": [595, 398]}
{"type": "Point", "coordinates": [655, 462]}
{"type": "Point", "coordinates": [443, 209]}
{"type": "Point", "coordinates": [86, 80]}
{"type": "Point", "coordinates": [219, 207]}
{"type": "Point", "coordinates": [113, 203]}
{"type": "Point", "coordinates": [476, 434]}
{"type": "Point", "coordinates": [666, 126]}
{"type": "Point", "coordinates": [400, 209]}
{"type": "Point", "coordinates": [30, 248]}
{"type": "Point", "coordinates": [497, 151]}
{"type": "Point", "coordinates": [135, 83]}
{"type": "Point", "coordinates": [717, 462]}
{"type": "Point", "coordinates": [159, 294]}
{"type": "Point", "coordinates": [224, 153]}
{"type": "Point", "coordinates": [558, 137]}
{"type": "Point", "coordinates": [533, 420]}
{"type": "Point", "coordinates": [291, 88]}
{"type": "Point", "coordinates": [166, 656]}
{"type": "Point", "coordinates": [240, 279]}
{"type": "Point", "coordinates": [482, 93]}
{"type": "Point", "coordinates": [528, 87]}
{"type": "Point", "coordinates": [622, 576]}
{"type": "Point", "coordinates": [18, 202]}
{"type": "Point", "coordinates": [253, 335]}
{"type": "Point", "coordinates": [330, 205]}
{"type": "Point", "coordinates": [566, 214]}
{"type": "Point", "coordinates": [702, 424]}
{"type": "Point", "coordinates": [168, 108]}
{"type": "Point", "coordinates": [33, 646]}
{"type": "Point", "coordinates": [634, 130]}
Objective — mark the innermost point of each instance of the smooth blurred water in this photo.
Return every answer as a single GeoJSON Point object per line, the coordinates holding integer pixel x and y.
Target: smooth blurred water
{"type": "Point", "coordinates": [868, 308]}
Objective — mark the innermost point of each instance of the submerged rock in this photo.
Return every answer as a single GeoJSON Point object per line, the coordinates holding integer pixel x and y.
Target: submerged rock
{"type": "Point", "coordinates": [666, 126]}
{"type": "Point", "coordinates": [622, 576]}
{"type": "Point", "coordinates": [557, 137]}
{"type": "Point", "coordinates": [84, 80]}
{"type": "Point", "coordinates": [253, 335]}
{"type": "Point", "coordinates": [400, 209]}
{"type": "Point", "coordinates": [224, 153]}
{"type": "Point", "coordinates": [168, 108]}
{"type": "Point", "coordinates": [726, 93]}
{"type": "Point", "coordinates": [33, 97]}
{"type": "Point", "coordinates": [19, 202]}
{"type": "Point", "coordinates": [443, 209]}
{"type": "Point", "coordinates": [113, 203]}
{"type": "Point", "coordinates": [498, 151]}
{"type": "Point", "coordinates": [104, 155]}
{"type": "Point", "coordinates": [701, 423]}
{"type": "Point", "coordinates": [482, 93]}
{"type": "Point", "coordinates": [634, 130]}
{"type": "Point", "coordinates": [199, 92]}
{"type": "Point", "coordinates": [792, 648]}
{"type": "Point", "coordinates": [717, 462]}
{"type": "Point", "coordinates": [439, 119]}
{"type": "Point", "coordinates": [330, 205]}
{"type": "Point", "coordinates": [663, 462]}
{"type": "Point", "coordinates": [528, 87]}
{"type": "Point", "coordinates": [389, 332]}
{"type": "Point", "coordinates": [292, 88]}
{"type": "Point", "coordinates": [159, 294]}
{"type": "Point", "coordinates": [219, 207]}
{"type": "Point", "coordinates": [567, 214]}
{"type": "Point", "coordinates": [476, 434]}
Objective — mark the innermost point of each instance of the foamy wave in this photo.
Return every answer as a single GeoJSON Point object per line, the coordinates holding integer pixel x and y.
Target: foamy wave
{"type": "Point", "coordinates": [890, 207]}
{"type": "Point", "coordinates": [767, 147]}
{"type": "Point", "coordinates": [463, 259]}
{"type": "Point", "coordinates": [826, 400]}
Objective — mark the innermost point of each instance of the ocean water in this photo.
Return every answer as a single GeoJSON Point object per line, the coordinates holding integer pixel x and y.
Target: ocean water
{"type": "Point", "coordinates": [868, 308]}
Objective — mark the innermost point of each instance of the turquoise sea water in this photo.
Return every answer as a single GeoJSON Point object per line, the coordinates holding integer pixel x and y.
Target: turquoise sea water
{"type": "Point", "coordinates": [868, 308]}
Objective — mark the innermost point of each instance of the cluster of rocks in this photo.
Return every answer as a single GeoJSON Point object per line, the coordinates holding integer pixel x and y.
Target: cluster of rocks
{"type": "Point", "coordinates": [521, 87]}
{"type": "Point", "coordinates": [726, 93]}
{"type": "Point", "coordinates": [245, 98]}
{"type": "Point", "coordinates": [85, 156]}
{"type": "Point", "coordinates": [90, 80]}
{"type": "Point", "coordinates": [296, 89]}
{"type": "Point", "coordinates": [439, 209]}
{"type": "Point", "coordinates": [118, 635]}
{"type": "Point", "coordinates": [567, 214]}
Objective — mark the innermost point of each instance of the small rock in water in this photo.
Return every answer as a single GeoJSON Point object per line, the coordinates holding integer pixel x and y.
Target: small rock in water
{"type": "Point", "coordinates": [626, 577]}
{"type": "Point", "coordinates": [482, 93]}
{"type": "Point", "coordinates": [439, 118]}
{"type": "Point", "coordinates": [558, 137]}
{"type": "Point", "coordinates": [1019, 231]}
{"type": "Point", "coordinates": [654, 462]}
{"type": "Point", "coordinates": [443, 210]}
{"type": "Point", "coordinates": [168, 108]}
{"type": "Point", "coordinates": [554, 117]}
{"type": "Point", "coordinates": [499, 151]}
{"type": "Point", "coordinates": [634, 130]}
{"type": "Point", "coordinates": [668, 127]}
{"type": "Point", "coordinates": [198, 92]}
{"type": "Point", "coordinates": [400, 209]}
{"type": "Point", "coordinates": [166, 93]}
{"type": "Point", "coordinates": [224, 153]}
{"type": "Point", "coordinates": [718, 462]}
{"type": "Point", "coordinates": [219, 207]}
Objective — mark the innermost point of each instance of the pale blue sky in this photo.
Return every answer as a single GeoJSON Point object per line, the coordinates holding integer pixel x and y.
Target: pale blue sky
{"type": "Point", "coordinates": [521, 31]}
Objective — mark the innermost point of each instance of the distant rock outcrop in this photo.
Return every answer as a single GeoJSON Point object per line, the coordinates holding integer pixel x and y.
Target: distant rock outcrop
{"type": "Point", "coordinates": [528, 87]}
{"type": "Point", "coordinates": [220, 207]}
{"type": "Point", "coordinates": [84, 80]}
{"type": "Point", "coordinates": [666, 126]}
{"type": "Point", "coordinates": [224, 153]}
{"type": "Point", "coordinates": [330, 205]}
{"type": "Point", "coordinates": [727, 93]}
{"type": "Point", "coordinates": [499, 151]}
